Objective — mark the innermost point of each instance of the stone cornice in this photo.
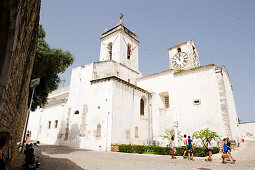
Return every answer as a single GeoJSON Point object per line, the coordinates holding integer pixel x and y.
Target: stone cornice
{"type": "Point", "coordinates": [116, 63]}
{"type": "Point", "coordinates": [117, 29]}
{"type": "Point", "coordinates": [121, 81]}
{"type": "Point", "coordinates": [175, 72]}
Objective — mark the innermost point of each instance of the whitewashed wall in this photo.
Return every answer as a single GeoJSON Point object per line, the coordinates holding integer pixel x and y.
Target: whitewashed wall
{"type": "Point", "coordinates": [51, 113]}
{"type": "Point", "coordinates": [126, 115]}
{"type": "Point", "coordinates": [33, 123]}
{"type": "Point", "coordinates": [234, 125]}
{"type": "Point", "coordinates": [247, 130]}
{"type": "Point", "coordinates": [183, 87]}
{"type": "Point", "coordinates": [111, 68]}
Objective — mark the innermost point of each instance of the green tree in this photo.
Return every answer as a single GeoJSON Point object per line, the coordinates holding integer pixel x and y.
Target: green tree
{"type": "Point", "coordinates": [169, 133]}
{"type": "Point", "coordinates": [48, 63]}
{"type": "Point", "coordinates": [239, 121]}
{"type": "Point", "coordinates": [204, 134]}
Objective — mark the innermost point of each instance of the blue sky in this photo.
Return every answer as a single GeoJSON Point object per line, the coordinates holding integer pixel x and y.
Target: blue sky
{"type": "Point", "coordinates": [223, 32]}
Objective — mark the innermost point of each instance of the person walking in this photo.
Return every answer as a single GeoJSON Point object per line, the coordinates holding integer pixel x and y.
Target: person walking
{"type": "Point", "coordinates": [209, 149]}
{"type": "Point", "coordinates": [190, 149]}
{"type": "Point", "coordinates": [225, 153]}
{"type": "Point", "coordinates": [229, 149]}
{"type": "Point", "coordinates": [173, 150]}
{"type": "Point", "coordinates": [184, 146]}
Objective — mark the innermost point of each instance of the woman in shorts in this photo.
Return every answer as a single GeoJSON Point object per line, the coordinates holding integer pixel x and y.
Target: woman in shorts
{"type": "Point", "coordinates": [209, 149]}
{"type": "Point", "coordinates": [225, 153]}
{"type": "Point", "coordinates": [172, 147]}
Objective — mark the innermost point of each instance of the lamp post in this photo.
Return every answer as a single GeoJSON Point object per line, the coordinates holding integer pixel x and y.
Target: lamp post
{"type": "Point", "coordinates": [33, 84]}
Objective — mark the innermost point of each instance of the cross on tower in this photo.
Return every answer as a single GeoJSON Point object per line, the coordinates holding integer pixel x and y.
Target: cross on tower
{"type": "Point", "coordinates": [121, 16]}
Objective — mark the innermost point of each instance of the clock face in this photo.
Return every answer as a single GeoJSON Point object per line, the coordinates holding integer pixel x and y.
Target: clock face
{"type": "Point", "coordinates": [180, 60]}
{"type": "Point", "coordinates": [196, 60]}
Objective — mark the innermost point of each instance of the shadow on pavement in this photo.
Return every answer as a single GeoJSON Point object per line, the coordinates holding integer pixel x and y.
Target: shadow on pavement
{"type": "Point", "coordinates": [47, 163]}
{"type": "Point", "coordinates": [53, 149]}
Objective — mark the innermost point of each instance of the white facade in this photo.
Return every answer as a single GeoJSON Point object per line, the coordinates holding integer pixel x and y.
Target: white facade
{"type": "Point", "coordinates": [110, 102]}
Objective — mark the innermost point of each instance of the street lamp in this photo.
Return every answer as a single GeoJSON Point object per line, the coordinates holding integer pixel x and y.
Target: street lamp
{"type": "Point", "coordinates": [33, 84]}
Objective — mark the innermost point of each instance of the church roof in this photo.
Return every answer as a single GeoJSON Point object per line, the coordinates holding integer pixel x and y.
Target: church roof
{"type": "Point", "coordinates": [59, 91]}
{"type": "Point", "coordinates": [120, 26]}
{"type": "Point", "coordinates": [181, 43]}
{"type": "Point", "coordinates": [175, 71]}
{"type": "Point", "coordinates": [247, 122]}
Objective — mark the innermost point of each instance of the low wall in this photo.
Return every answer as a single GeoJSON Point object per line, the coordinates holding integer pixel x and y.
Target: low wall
{"type": "Point", "coordinates": [247, 130]}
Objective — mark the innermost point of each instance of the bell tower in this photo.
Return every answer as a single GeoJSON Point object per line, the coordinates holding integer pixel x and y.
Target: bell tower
{"type": "Point", "coordinates": [120, 45]}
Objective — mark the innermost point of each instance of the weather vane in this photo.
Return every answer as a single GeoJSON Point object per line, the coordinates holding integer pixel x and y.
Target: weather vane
{"type": "Point", "coordinates": [121, 16]}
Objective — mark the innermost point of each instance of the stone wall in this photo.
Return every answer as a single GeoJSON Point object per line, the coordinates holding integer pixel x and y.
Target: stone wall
{"type": "Point", "coordinates": [19, 20]}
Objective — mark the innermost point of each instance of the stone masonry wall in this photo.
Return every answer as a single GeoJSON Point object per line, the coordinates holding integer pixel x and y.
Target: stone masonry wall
{"type": "Point", "coordinates": [20, 25]}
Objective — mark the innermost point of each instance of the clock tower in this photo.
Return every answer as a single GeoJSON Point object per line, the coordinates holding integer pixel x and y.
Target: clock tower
{"type": "Point", "coordinates": [183, 56]}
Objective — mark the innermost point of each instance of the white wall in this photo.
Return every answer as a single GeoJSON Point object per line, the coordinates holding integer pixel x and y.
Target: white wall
{"type": "Point", "coordinates": [51, 113]}
{"type": "Point", "coordinates": [111, 68]}
{"type": "Point", "coordinates": [231, 106]}
{"type": "Point", "coordinates": [33, 123]}
{"type": "Point", "coordinates": [183, 88]}
{"type": "Point", "coordinates": [126, 115]}
{"type": "Point", "coordinates": [247, 130]}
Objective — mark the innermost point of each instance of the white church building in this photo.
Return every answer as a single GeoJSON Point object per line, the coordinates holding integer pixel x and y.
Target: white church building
{"type": "Point", "coordinates": [110, 102]}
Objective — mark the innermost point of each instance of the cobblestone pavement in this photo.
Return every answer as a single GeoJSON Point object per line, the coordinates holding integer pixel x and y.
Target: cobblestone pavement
{"type": "Point", "coordinates": [61, 157]}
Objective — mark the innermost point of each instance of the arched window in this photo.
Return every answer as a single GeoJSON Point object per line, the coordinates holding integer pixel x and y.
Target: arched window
{"type": "Point", "coordinates": [128, 51]}
{"type": "Point", "coordinates": [56, 123]}
{"type": "Point", "coordinates": [98, 130]}
{"type": "Point", "coordinates": [141, 107]}
{"type": "Point", "coordinates": [49, 124]}
{"type": "Point", "coordinates": [110, 50]}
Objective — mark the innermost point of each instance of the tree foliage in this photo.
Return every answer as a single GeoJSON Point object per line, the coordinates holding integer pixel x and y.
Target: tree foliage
{"type": "Point", "coordinates": [239, 121]}
{"type": "Point", "coordinates": [48, 63]}
{"type": "Point", "coordinates": [204, 134]}
{"type": "Point", "coordinates": [169, 133]}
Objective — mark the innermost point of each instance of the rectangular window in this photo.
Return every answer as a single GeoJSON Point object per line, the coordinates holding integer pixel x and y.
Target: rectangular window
{"type": "Point", "coordinates": [196, 101]}
{"type": "Point", "coordinates": [166, 101]}
{"type": "Point", "coordinates": [98, 134]}
{"type": "Point", "coordinates": [56, 123]}
{"type": "Point", "coordinates": [49, 124]}
{"type": "Point", "coordinates": [136, 132]}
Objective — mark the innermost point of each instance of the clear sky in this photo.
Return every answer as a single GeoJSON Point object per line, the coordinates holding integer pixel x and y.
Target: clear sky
{"type": "Point", "coordinates": [223, 32]}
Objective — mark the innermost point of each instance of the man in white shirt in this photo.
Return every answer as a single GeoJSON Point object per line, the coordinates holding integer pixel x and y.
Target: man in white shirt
{"type": "Point", "coordinates": [184, 146]}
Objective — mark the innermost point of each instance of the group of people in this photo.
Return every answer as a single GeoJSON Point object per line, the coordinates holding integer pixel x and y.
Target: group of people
{"type": "Point", "coordinates": [187, 146]}
{"type": "Point", "coordinates": [28, 136]}
{"type": "Point", "coordinates": [226, 151]}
